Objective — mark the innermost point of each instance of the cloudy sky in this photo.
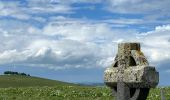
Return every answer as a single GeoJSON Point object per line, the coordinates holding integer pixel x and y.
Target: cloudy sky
{"type": "Point", "coordinates": [75, 40]}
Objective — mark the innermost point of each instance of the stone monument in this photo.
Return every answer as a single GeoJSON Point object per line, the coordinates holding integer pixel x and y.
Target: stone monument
{"type": "Point", "coordinates": [130, 77]}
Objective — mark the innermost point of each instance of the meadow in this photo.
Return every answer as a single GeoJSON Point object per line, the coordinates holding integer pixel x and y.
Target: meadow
{"type": "Point", "coordinates": [57, 90]}
{"type": "Point", "coordinates": [68, 93]}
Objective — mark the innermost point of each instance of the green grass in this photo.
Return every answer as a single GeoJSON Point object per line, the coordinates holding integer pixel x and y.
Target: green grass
{"type": "Point", "coordinates": [27, 81]}
{"type": "Point", "coordinates": [155, 94]}
{"type": "Point", "coordinates": [68, 93]}
{"type": "Point", "coordinates": [56, 90]}
{"type": "Point", "coordinates": [56, 93]}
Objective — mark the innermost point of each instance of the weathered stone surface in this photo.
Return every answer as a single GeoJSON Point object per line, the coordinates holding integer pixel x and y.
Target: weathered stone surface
{"type": "Point", "coordinates": [139, 76]}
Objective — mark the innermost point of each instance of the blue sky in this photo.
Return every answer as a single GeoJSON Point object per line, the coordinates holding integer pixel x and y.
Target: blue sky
{"type": "Point", "coordinates": [75, 40]}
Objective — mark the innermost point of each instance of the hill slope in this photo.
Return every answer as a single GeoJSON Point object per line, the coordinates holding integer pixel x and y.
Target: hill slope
{"type": "Point", "coordinates": [27, 81]}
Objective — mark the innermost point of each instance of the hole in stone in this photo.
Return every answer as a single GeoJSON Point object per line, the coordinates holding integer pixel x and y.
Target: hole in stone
{"type": "Point", "coordinates": [115, 88]}
{"type": "Point", "coordinates": [132, 61]}
{"type": "Point", "coordinates": [116, 64]}
{"type": "Point", "coordinates": [132, 92]}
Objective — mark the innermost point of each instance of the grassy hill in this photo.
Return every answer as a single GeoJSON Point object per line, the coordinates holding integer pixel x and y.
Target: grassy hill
{"type": "Point", "coordinates": [34, 88]}
{"type": "Point", "coordinates": [27, 81]}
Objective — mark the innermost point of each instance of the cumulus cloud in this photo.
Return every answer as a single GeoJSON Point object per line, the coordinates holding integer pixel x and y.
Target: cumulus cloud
{"type": "Point", "coordinates": [59, 54]}
{"type": "Point", "coordinates": [56, 46]}
{"type": "Point", "coordinates": [72, 43]}
{"type": "Point", "coordinates": [158, 43]}
{"type": "Point", "coordinates": [60, 42]}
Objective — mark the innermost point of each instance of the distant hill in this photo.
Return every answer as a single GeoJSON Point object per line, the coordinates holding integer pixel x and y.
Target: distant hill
{"type": "Point", "coordinates": [27, 81]}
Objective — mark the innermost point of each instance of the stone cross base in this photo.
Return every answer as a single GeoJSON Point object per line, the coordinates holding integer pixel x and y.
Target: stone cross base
{"type": "Point", "coordinates": [126, 93]}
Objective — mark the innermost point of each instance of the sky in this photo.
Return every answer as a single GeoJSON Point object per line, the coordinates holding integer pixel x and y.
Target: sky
{"type": "Point", "coordinates": [76, 40]}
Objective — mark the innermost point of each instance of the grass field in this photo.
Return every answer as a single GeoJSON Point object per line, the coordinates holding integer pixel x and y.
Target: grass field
{"type": "Point", "coordinates": [63, 91]}
{"type": "Point", "coordinates": [27, 81]}
{"type": "Point", "coordinates": [68, 93]}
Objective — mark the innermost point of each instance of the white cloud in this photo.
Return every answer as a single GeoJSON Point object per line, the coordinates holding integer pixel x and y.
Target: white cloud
{"type": "Point", "coordinates": [138, 6]}
{"type": "Point", "coordinates": [19, 11]}
{"type": "Point", "coordinates": [156, 44]}
{"type": "Point", "coordinates": [59, 54]}
{"type": "Point", "coordinates": [12, 56]}
{"type": "Point", "coordinates": [71, 43]}
{"type": "Point", "coordinates": [152, 11]}
{"type": "Point", "coordinates": [124, 21]}
{"type": "Point", "coordinates": [77, 48]}
{"type": "Point", "coordinates": [12, 9]}
{"type": "Point", "coordinates": [66, 42]}
{"type": "Point", "coordinates": [79, 31]}
{"type": "Point", "coordinates": [75, 1]}
{"type": "Point", "coordinates": [51, 9]}
{"type": "Point", "coordinates": [56, 6]}
{"type": "Point", "coordinates": [85, 30]}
